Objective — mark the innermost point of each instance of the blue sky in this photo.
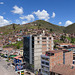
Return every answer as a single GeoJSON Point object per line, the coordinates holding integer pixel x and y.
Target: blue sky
{"type": "Point", "coordinates": [59, 12]}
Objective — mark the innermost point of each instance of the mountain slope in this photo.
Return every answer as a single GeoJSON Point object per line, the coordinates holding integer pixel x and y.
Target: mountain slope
{"type": "Point", "coordinates": [46, 25]}
{"type": "Point", "coordinates": [39, 24]}
{"type": "Point", "coordinates": [70, 29]}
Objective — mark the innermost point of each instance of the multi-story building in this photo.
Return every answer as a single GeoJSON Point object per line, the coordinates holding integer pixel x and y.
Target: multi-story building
{"type": "Point", "coordinates": [34, 47]}
{"type": "Point", "coordinates": [53, 58]}
{"type": "Point", "coordinates": [72, 47]}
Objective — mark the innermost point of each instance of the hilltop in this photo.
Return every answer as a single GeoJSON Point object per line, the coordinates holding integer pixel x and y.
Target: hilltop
{"type": "Point", "coordinates": [39, 24]}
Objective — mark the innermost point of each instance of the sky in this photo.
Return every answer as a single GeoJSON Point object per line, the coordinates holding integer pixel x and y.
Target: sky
{"type": "Point", "coordinates": [59, 12]}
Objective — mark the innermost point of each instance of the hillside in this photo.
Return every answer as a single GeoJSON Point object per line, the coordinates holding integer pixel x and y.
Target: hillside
{"type": "Point", "coordinates": [46, 25]}
{"type": "Point", "coordinates": [39, 24]}
{"type": "Point", "coordinates": [70, 29]}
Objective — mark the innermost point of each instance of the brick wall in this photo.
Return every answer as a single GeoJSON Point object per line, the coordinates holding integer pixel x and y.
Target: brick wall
{"type": "Point", "coordinates": [56, 59]}
{"type": "Point", "coordinates": [69, 58]}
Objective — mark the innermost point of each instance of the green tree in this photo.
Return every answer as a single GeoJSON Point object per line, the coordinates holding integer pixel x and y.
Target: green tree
{"type": "Point", "coordinates": [51, 30]}
{"type": "Point", "coordinates": [63, 38]}
{"type": "Point", "coordinates": [13, 26]}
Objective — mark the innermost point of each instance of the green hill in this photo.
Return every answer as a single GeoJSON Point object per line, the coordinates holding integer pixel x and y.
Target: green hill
{"type": "Point", "coordinates": [46, 25]}
{"type": "Point", "coordinates": [70, 29]}
{"type": "Point", "coordinates": [39, 24]}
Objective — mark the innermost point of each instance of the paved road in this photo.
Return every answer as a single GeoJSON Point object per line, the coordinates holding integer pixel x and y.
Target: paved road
{"type": "Point", "coordinates": [6, 70]}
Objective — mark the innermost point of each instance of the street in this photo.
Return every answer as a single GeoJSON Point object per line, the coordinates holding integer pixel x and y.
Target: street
{"type": "Point", "coordinates": [5, 69]}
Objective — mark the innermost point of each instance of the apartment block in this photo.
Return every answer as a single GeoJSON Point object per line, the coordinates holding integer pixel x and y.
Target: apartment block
{"type": "Point", "coordinates": [67, 57]}
{"type": "Point", "coordinates": [53, 58]}
{"type": "Point", "coordinates": [34, 47]}
{"type": "Point", "coordinates": [72, 48]}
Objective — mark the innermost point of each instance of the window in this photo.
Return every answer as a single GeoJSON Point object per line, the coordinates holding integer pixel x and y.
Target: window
{"type": "Point", "coordinates": [47, 63]}
{"type": "Point", "coordinates": [43, 37]}
{"type": "Point", "coordinates": [48, 44]}
{"type": "Point", "coordinates": [38, 41]}
{"type": "Point", "coordinates": [37, 37]}
{"type": "Point", "coordinates": [48, 48]}
{"type": "Point", "coordinates": [42, 62]}
{"type": "Point", "coordinates": [42, 66]}
{"type": "Point", "coordinates": [43, 58]}
{"type": "Point", "coordinates": [49, 37]}
{"type": "Point", "coordinates": [47, 59]}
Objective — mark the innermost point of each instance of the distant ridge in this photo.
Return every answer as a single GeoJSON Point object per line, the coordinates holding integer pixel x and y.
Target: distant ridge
{"type": "Point", "coordinates": [70, 29]}
{"type": "Point", "coordinates": [39, 24]}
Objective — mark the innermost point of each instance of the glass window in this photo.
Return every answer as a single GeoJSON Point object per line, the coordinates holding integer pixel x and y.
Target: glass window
{"type": "Point", "coordinates": [38, 41]}
{"type": "Point", "coordinates": [38, 37]}
{"type": "Point", "coordinates": [47, 63]}
{"type": "Point", "coordinates": [49, 37]}
{"type": "Point", "coordinates": [42, 62]}
{"type": "Point", "coordinates": [43, 37]}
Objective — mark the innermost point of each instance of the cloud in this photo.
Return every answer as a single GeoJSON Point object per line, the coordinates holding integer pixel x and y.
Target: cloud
{"type": "Point", "coordinates": [53, 15]}
{"type": "Point", "coordinates": [24, 22]}
{"type": "Point", "coordinates": [60, 22]}
{"type": "Point", "coordinates": [68, 23]}
{"type": "Point", "coordinates": [3, 21]}
{"type": "Point", "coordinates": [42, 15]}
{"type": "Point", "coordinates": [28, 17]}
{"type": "Point", "coordinates": [18, 21]}
{"type": "Point", "coordinates": [17, 10]}
{"type": "Point", "coordinates": [1, 2]}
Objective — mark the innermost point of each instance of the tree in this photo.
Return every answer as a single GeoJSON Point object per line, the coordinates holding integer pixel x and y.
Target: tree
{"type": "Point", "coordinates": [72, 40]}
{"type": "Point", "coordinates": [39, 26]}
{"type": "Point", "coordinates": [63, 38]}
{"type": "Point", "coordinates": [51, 30]}
{"type": "Point", "coordinates": [13, 26]}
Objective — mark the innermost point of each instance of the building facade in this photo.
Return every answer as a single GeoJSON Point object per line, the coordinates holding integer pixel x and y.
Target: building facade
{"type": "Point", "coordinates": [34, 47]}
{"type": "Point", "coordinates": [53, 58]}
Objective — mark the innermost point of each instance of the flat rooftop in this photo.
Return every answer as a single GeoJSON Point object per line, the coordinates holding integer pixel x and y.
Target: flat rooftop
{"type": "Point", "coordinates": [51, 53]}
{"type": "Point", "coordinates": [54, 51]}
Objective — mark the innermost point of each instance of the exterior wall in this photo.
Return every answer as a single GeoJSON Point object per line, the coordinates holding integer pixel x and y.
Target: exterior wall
{"type": "Point", "coordinates": [40, 47]}
{"type": "Point", "coordinates": [45, 65]}
{"type": "Point", "coordinates": [37, 52]}
{"type": "Point", "coordinates": [69, 58]}
{"type": "Point", "coordinates": [73, 49]}
{"type": "Point", "coordinates": [56, 59]}
{"type": "Point", "coordinates": [27, 49]}
{"type": "Point", "coordinates": [47, 44]}
{"type": "Point", "coordinates": [36, 47]}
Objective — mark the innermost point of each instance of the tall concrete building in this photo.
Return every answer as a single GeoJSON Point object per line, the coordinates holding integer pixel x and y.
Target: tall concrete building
{"type": "Point", "coordinates": [34, 47]}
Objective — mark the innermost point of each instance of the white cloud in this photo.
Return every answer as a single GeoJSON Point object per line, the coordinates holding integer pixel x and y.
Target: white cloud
{"type": "Point", "coordinates": [24, 22]}
{"type": "Point", "coordinates": [28, 17]}
{"type": "Point", "coordinates": [60, 22]}
{"type": "Point", "coordinates": [3, 21]}
{"type": "Point", "coordinates": [53, 15]}
{"type": "Point", "coordinates": [1, 2]}
{"type": "Point", "coordinates": [17, 10]}
{"type": "Point", "coordinates": [68, 23]}
{"type": "Point", "coordinates": [42, 15]}
{"type": "Point", "coordinates": [18, 21]}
